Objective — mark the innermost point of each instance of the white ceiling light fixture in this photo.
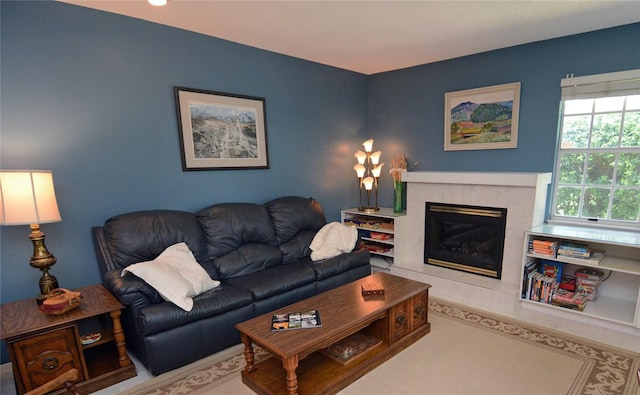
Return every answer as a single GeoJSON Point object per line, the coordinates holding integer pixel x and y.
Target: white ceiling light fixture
{"type": "Point", "coordinates": [158, 3]}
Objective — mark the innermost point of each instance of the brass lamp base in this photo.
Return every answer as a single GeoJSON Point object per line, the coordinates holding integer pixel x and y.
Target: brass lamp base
{"type": "Point", "coordinates": [369, 208]}
{"type": "Point", "coordinates": [43, 260]}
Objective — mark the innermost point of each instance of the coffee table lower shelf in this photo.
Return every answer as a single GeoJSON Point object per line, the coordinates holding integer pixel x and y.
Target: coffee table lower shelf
{"type": "Point", "coordinates": [319, 374]}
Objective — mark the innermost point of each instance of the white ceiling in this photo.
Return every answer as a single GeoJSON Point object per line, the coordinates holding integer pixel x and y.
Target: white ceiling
{"type": "Point", "coordinates": [376, 36]}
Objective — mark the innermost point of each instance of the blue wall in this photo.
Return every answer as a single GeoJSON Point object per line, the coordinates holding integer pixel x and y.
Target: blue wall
{"type": "Point", "coordinates": [406, 107]}
{"type": "Point", "coordinates": [89, 95]}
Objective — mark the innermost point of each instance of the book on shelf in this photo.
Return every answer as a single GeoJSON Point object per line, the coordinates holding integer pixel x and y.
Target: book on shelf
{"type": "Point", "coordinates": [574, 254]}
{"type": "Point", "coordinates": [543, 247]}
{"type": "Point", "coordinates": [552, 269]}
{"type": "Point", "coordinates": [545, 282]}
{"type": "Point", "coordinates": [573, 246]}
{"type": "Point", "coordinates": [568, 282]}
{"type": "Point", "coordinates": [544, 244]}
{"type": "Point", "coordinates": [574, 250]}
{"type": "Point", "coordinates": [529, 267]}
{"type": "Point", "coordinates": [369, 222]}
{"type": "Point", "coordinates": [548, 254]}
{"type": "Point", "coordinates": [548, 287]}
{"type": "Point", "coordinates": [540, 288]}
{"type": "Point", "coordinates": [531, 277]}
{"type": "Point", "coordinates": [380, 236]}
{"type": "Point", "coordinates": [376, 247]}
{"type": "Point", "coordinates": [593, 260]}
{"type": "Point", "coordinates": [298, 320]}
{"type": "Point", "coordinates": [362, 222]}
{"type": "Point", "coordinates": [569, 300]}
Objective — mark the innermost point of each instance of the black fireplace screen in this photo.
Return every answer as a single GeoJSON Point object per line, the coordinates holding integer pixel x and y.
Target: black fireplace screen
{"type": "Point", "coordinates": [466, 238]}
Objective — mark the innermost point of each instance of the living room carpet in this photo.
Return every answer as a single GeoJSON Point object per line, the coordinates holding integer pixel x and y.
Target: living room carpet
{"type": "Point", "coordinates": [467, 352]}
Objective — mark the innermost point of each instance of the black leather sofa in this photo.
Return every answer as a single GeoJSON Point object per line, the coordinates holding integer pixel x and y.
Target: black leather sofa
{"type": "Point", "coordinates": [259, 253]}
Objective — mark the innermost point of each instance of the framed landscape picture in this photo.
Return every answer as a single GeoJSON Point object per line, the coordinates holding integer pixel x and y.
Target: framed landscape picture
{"type": "Point", "coordinates": [221, 130]}
{"type": "Point", "coordinates": [482, 118]}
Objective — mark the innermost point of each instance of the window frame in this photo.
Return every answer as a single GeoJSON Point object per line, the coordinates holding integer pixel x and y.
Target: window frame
{"type": "Point", "coordinates": [625, 83]}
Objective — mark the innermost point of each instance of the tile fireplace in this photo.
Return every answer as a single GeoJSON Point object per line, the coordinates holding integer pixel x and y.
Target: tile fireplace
{"type": "Point", "coordinates": [522, 195]}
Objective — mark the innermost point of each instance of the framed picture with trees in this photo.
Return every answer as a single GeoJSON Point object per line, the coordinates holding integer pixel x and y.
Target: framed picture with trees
{"type": "Point", "coordinates": [482, 118]}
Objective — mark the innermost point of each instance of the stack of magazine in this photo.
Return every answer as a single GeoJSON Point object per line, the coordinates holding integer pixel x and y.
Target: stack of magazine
{"type": "Point", "coordinates": [298, 320]}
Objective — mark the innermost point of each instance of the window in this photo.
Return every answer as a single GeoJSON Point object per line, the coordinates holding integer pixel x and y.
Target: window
{"type": "Point", "coordinates": [597, 173]}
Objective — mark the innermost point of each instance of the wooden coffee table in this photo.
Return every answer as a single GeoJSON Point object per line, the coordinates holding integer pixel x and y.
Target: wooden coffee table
{"type": "Point", "coordinates": [300, 363]}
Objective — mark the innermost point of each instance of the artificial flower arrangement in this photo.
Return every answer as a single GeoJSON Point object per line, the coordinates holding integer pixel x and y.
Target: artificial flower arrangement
{"type": "Point", "coordinates": [398, 166]}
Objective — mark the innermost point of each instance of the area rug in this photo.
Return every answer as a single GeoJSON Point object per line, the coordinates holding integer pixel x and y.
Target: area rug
{"type": "Point", "coordinates": [467, 352]}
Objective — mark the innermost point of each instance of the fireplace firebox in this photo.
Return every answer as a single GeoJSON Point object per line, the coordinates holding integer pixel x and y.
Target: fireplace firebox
{"type": "Point", "coordinates": [465, 238]}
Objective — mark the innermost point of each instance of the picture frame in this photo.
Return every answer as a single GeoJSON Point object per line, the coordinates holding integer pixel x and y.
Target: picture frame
{"type": "Point", "coordinates": [221, 130]}
{"type": "Point", "coordinates": [482, 118]}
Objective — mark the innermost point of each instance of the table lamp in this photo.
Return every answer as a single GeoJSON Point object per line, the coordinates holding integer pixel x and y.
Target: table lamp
{"type": "Point", "coordinates": [27, 197]}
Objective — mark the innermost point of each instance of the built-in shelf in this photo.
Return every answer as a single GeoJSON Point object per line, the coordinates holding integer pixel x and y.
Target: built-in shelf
{"type": "Point", "coordinates": [382, 223]}
{"type": "Point", "coordinates": [618, 298]}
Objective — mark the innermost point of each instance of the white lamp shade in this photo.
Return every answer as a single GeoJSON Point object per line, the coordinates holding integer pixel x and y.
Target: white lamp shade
{"type": "Point", "coordinates": [368, 183]}
{"type": "Point", "coordinates": [27, 197]}
{"type": "Point", "coordinates": [158, 3]}
{"type": "Point", "coordinates": [360, 169]}
{"type": "Point", "coordinates": [377, 170]}
{"type": "Point", "coordinates": [360, 156]}
{"type": "Point", "coordinates": [375, 157]}
{"type": "Point", "coordinates": [368, 145]}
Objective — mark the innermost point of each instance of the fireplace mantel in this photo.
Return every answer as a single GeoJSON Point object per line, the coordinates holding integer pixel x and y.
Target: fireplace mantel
{"type": "Point", "coordinates": [477, 178]}
{"type": "Point", "coordinates": [524, 195]}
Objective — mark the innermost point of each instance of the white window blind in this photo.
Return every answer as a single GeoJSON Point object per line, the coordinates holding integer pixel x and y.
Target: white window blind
{"type": "Point", "coordinates": [621, 83]}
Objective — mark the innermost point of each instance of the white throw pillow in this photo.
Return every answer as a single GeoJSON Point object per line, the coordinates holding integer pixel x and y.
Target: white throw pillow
{"type": "Point", "coordinates": [332, 240]}
{"type": "Point", "coordinates": [176, 275]}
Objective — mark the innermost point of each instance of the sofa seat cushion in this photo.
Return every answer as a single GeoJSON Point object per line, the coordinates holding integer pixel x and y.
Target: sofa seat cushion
{"type": "Point", "coordinates": [274, 280]}
{"type": "Point", "coordinates": [165, 315]}
{"type": "Point", "coordinates": [339, 264]}
{"type": "Point", "coordinates": [246, 259]}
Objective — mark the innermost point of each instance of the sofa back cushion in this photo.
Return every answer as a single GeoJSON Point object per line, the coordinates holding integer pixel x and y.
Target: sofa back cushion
{"type": "Point", "coordinates": [296, 220]}
{"type": "Point", "coordinates": [143, 235]}
{"type": "Point", "coordinates": [240, 239]}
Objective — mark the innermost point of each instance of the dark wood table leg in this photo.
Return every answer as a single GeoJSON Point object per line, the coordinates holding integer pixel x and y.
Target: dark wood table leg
{"type": "Point", "coordinates": [290, 365]}
{"type": "Point", "coordinates": [248, 353]}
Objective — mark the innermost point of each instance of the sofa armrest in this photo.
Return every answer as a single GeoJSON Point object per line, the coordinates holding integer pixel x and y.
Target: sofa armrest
{"type": "Point", "coordinates": [342, 263]}
{"type": "Point", "coordinates": [358, 246]}
{"type": "Point", "coordinates": [105, 263]}
{"type": "Point", "coordinates": [129, 289]}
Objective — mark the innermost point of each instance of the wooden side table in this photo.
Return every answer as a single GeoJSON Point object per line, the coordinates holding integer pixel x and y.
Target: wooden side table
{"type": "Point", "coordinates": [43, 346]}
